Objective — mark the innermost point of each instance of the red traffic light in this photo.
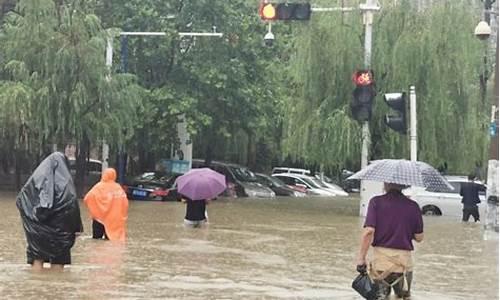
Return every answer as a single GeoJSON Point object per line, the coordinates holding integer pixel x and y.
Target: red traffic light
{"type": "Point", "coordinates": [268, 12]}
{"type": "Point", "coordinates": [363, 78]}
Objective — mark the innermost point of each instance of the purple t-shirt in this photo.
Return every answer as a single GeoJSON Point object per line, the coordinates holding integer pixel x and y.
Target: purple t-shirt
{"type": "Point", "coordinates": [396, 219]}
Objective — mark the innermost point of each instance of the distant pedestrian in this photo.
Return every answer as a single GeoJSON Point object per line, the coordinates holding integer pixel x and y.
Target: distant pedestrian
{"type": "Point", "coordinates": [392, 222]}
{"type": "Point", "coordinates": [50, 213]}
{"type": "Point", "coordinates": [470, 199]}
{"type": "Point", "coordinates": [196, 212]}
{"type": "Point", "coordinates": [108, 206]}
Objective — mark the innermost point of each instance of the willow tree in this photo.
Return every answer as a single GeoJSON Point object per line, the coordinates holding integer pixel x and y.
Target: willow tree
{"type": "Point", "coordinates": [54, 84]}
{"type": "Point", "coordinates": [432, 48]}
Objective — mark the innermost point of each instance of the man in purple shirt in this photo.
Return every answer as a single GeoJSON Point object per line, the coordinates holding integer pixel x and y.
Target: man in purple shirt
{"type": "Point", "coordinates": [392, 222]}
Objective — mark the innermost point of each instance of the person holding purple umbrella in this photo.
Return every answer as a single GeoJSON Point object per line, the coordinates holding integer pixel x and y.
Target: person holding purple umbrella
{"type": "Point", "coordinates": [197, 187]}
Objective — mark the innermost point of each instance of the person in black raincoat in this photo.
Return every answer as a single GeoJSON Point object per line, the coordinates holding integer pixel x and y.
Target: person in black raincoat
{"type": "Point", "coordinates": [50, 213]}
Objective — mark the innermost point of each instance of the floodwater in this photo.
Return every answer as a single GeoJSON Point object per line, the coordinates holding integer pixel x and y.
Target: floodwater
{"type": "Point", "coordinates": [253, 249]}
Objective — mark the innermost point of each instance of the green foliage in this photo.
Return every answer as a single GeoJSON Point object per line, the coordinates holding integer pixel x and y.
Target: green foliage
{"type": "Point", "coordinates": [432, 49]}
{"type": "Point", "coordinates": [244, 102]}
{"type": "Point", "coordinates": [55, 85]}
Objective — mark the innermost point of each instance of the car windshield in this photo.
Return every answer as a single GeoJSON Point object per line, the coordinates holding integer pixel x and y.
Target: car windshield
{"type": "Point", "coordinates": [311, 182]}
{"type": "Point", "coordinates": [243, 174]}
{"type": "Point", "coordinates": [325, 178]}
{"type": "Point", "coordinates": [275, 181]}
{"type": "Point", "coordinates": [158, 176]}
{"type": "Point", "coordinates": [319, 183]}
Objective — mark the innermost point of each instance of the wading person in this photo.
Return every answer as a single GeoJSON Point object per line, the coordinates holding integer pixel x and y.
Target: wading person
{"type": "Point", "coordinates": [196, 212]}
{"type": "Point", "coordinates": [50, 213]}
{"type": "Point", "coordinates": [392, 222]}
{"type": "Point", "coordinates": [197, 186]}
{"type": "Point", "coordinates": [470, 199]}
{"type": "Point", "coordinates": [108, 207]}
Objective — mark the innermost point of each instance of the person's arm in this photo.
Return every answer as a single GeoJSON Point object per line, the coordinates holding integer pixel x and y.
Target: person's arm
{"type": "Point", "coordinates": [366, 240]}
{"type": "Point", "coordinates": [418, 237]}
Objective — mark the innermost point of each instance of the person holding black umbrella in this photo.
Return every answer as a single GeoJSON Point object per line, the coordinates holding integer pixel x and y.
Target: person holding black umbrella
{"type": "Point", "coordinates": [392, 223]}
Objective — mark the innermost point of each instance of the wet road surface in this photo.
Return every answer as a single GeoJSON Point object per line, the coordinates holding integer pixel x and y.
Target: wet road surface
{"type": "Point", "coordinates": [288, 248]}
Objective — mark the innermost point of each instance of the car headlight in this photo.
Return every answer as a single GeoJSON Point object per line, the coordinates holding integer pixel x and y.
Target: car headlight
{"type": "Point", "coordinates": [298, 194]}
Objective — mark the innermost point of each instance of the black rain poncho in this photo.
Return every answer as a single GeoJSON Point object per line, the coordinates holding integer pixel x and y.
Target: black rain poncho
{"type": "Point", "coordinates": [49, 210]}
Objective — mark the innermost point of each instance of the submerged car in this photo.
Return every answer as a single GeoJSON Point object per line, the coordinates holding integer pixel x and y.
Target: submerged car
{"type": "Point", "coordinates": [241, 182]}
{"type": "Point", "coordinates": [308, 182]}
{"type": "Point", "coordinates": [93, 169]}
{"type": "Point", "coordinates": [328, 183]}
{"type": "Point", "coordinates": [153, 186]}
{"type": "Point", "coordinates": [445, 203]}
{"type": "Point", "coordinates": [278, 186]}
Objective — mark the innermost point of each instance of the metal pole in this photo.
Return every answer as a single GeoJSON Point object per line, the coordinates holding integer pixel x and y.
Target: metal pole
{"type": "Point", "coordinates": [109, 63]}
{"type": "Point", "coordinates": [413, 124]}
{"type": "Point", "coordinates": [491, 219]}
{"type": "Point", "coordinates": [368, 20]}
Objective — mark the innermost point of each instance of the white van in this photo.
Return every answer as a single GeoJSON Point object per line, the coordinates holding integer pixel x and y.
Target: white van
{"type": "Point", "coordinates": [277, 170]}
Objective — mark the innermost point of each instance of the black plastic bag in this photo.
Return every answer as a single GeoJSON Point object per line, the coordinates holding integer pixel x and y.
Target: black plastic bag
{"type": "Point", "coordinates": [49, 209]}
{"type": "Point", "coordinates": [364, 285]}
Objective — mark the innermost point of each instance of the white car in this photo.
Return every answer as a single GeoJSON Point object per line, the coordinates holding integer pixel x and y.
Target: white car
{"type": "Point", "coordinates": [304, 181]}
{"type": "Point", "coordinates": [444, 203]}
{"type": "Point", "coordinates": [328, 183]}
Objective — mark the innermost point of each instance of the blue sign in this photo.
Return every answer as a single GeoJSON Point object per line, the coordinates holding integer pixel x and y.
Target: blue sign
{"type": "Point", "coordinates": [175, 166]}
{"type": "Point", "coordinates": [493, 129]}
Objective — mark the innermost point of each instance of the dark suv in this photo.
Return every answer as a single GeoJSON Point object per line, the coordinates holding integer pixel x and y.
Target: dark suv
{"type": "Point", "coordinates": [240, 180]}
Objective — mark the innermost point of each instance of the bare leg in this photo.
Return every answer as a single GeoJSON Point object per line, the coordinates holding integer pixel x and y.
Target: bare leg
{"type": "Point", "coordinates": [56, 267]}
{"type": "Point", "coordinates": [37, 265]}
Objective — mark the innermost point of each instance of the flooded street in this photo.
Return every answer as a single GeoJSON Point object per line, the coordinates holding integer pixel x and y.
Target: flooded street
{"type": "Point", "coordinates": [253, 249]}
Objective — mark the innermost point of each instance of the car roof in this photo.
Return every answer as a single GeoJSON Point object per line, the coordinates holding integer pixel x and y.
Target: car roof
{"type": "Point", "coordinates": [293, 175]}
{"type": "Point", "coordinates": [291, 170]}
{"type": "Point", "coordinates": [220, 163]}
{"type": "Point", "coordinates": [90, 160]}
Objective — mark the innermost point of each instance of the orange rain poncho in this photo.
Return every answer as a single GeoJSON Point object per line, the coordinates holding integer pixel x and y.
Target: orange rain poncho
{"type": "Point", "coordinates": [108, 204]}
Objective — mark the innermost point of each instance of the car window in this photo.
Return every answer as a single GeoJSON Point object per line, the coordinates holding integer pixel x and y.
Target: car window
{"type": "Point", "coordinates": [243, 174]}
{"type": "Point", "coordinates": [302, 181]}
{"type": "Point", "coordinates": [310, 183]}
{"type": "Point", "coordinates": [287, 180]}
{"type": "Point", "coordinates": [276, 181]}
{"type": "Point", "coordinates": [224, 171]}
{"type": "Point", "coordinates": [94, 166]}
{"type": "Point", "coordinates": [456, 188]}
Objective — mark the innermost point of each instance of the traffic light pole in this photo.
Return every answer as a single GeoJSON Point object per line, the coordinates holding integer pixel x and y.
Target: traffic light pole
{"type": "Point", "coordinates": [368, 8]}
{"type": "Point", "coordinates": [413, 124]}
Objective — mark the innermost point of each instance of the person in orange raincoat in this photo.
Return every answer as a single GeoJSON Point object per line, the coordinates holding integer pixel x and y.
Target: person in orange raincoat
{"type": "Point", "coordinates": [108, 207]}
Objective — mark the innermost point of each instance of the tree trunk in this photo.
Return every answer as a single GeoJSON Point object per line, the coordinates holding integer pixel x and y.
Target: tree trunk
{"type": "Point", "coordinates": [251, 151]}
{"type": "Point", "coordinates": [82, 155]}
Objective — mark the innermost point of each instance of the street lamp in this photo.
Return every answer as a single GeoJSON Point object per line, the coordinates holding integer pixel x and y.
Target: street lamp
{"type": "Point", "coordinates": [483, 32]}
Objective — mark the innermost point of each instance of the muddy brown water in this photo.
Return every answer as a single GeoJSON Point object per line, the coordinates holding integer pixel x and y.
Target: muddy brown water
{"type": "Point", "coordinates": [284, 248]}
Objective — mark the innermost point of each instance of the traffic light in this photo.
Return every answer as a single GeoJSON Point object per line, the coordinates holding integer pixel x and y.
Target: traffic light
{"type": "Point", "coordinates": [396, 101]}
{"type": "Point", "coordinates": [267, 11]}
{"type": "Point", "coordinates": [363, 95]}
{"type": "Point", "coordinates": [285, 11]}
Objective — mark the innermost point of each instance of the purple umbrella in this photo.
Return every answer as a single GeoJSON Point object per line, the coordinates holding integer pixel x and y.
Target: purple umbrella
{"type": "Point", "coordinates": [200, 184]}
